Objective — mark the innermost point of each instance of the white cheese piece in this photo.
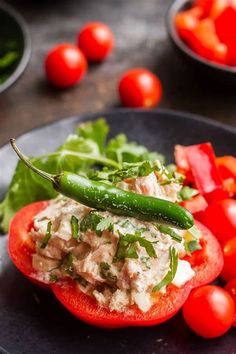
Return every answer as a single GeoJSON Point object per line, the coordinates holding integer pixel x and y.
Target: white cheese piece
{"type": "Point", "coordinates": [184, 273]}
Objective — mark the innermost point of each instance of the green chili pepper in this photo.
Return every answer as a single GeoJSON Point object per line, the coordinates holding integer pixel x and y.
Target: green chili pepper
{"type": "Point", "coordinates": [103, 196]}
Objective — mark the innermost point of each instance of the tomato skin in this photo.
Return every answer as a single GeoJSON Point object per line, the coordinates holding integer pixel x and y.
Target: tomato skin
{"type": "Point", "coordinates": [231, 288]}
{"type": "Point", "coordinates": [209, 311]}
{"type": "Point", "coordinates": [140, 88]}
{"type": "Point", "coordinates": [96, 41]}
{"type": "Point", "coordinates": [20, 247]}
{"type": "Point", "coordinates": [229, 252]}
{"type": "Point", "coordinates": [220, 218]}
{"type": "Point", "coordinates": [65, 65]}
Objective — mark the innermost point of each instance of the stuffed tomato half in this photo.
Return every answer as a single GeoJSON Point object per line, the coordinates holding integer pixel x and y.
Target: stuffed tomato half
{"type": "Point", "coordinates": [111, 270]}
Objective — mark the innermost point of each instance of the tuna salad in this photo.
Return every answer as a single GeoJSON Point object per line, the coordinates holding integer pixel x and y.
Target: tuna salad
{"type": "Point", "coordinates": [119, 261]}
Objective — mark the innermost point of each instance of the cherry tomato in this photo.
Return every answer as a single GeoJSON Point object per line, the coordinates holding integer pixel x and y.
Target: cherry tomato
{"type": "Point", "coordinates": [229, 251]}
{"type": "Point", "coordinates": [231, 288]}
{"type": "Point", "coordinates": [220, 218]}
{"type": "Point", "coordinates": [140, 88]}
{"type": "Point", "coordinates": [65, 65]}
{"type": "Point", "coordinates": [96, 41]}
{"type": "Point", "coordinates": [209, 311]}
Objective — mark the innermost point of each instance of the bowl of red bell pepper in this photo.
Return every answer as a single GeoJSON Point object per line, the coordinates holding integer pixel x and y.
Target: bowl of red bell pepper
{"type": "Point", "coordinates": [204, 32]}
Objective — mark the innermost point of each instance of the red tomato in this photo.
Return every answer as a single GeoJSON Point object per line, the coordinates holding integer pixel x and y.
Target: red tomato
{"type": "Point", "coordinates": [65, 65]}
{"type": "Point", "coordinates": [20, 246]}
{"type": "Point", "coordinates": [96, 41]}
{"type": "Point", "coordinates": [231, 288]}
{"type": "Point", "coordinates": [186, 21]}
{"type": "Point", "coordinates": [209, 311]}
{"type": "Point", "coordinates": [140, 88]}
{"type": "Point", "coordinates": [229, 251]}
{"type": "Point", "coordinates": [220, 218]}
{"type": "Point", "coordinates": [207, 265]}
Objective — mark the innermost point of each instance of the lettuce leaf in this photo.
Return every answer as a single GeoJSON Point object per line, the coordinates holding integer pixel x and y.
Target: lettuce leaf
{"type": "Point", "coordinates": [81, 152]}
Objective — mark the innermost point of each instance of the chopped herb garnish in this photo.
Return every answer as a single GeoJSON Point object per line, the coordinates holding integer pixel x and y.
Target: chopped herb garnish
{"type": "Point", "coordinates": [105, 224]}
{"type": "Point", "coordinates": [169, 231]}
{"type": "Point", "coordinates": [195, 232]}
{"type": "Point", "coordinates": [104, 266]}
{"type": "Point", "coordinates": [90, 222]}
{"type": "Point", "coordinates": [187, 193]}
{"type": "Point", "coordinates": [171, 272]}
{"type": "Point", "coordinates": [74, 227]}
{"type": "Point", "coordinates": [47, 236]}
{"type": "Point", "coordinates": [106, 273]}
{"type": "Point", "coordinates": [53, 278]}
{"type": "Point", "coordinates": [69, 263]}
{"type": "Point", "coordinates": [126, 247]}
{"type": "Point", "coordinates": [192, 246]}
{"type": "Point", "coordinates": [81, 280]}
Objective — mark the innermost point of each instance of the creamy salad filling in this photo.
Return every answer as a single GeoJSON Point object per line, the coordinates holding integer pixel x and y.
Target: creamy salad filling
{"type": "Point", "coordinates": [119, 261]}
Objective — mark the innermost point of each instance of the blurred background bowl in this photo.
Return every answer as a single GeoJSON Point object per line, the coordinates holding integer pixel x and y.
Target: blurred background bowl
{"type": "Point", "coordinates": [14, 38]}
{"type": "Point", "coordinates": [210, 70]}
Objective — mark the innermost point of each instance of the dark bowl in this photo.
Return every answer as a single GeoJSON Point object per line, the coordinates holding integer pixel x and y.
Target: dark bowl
{"type": "Point", "coordinates": [14, 33]}
{"type": "Point", "coordinates": [222, 73]}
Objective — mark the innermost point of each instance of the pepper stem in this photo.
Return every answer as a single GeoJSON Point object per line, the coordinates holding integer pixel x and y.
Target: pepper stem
{"type": "Point", "coordinates": [27, 162]}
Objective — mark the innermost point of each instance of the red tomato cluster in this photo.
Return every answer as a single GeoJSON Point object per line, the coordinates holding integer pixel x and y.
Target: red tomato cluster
{"type": "Point", "coordinates": [208, 27]}
{"type": "Point", "coordinates": [215, 206]}
{"type": "Point", "coordinates": [66, 65]}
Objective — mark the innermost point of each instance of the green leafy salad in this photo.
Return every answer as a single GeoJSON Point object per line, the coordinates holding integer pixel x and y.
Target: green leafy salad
{"type": "Point", "coordinates": [88, 152]}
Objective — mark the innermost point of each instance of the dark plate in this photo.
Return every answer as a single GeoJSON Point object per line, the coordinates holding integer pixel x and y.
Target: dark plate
{"type": "Point", "coordinates": [14, 29]}
{"type": "Point", "coordinates": [32, 321]}
{"type": "Point", "coordinates": [222, 73]}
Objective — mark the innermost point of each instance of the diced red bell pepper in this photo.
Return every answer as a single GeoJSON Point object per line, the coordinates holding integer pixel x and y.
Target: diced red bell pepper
{"type": "Point", "coordinates": [195, 205]}
{"type": "Point", "coordinates": [202, 162]}
{"type": "Point", "coordinates": [186, 21]}
{"type": "Point", "coordinates": [205, 5]}
{"type": "Point", "coordinates": [227, 166]}
{"type": "Point", "coordinates": [217, 8]}
{"type": "Point", "coordinates": [225, 23]}
{"type": "Point", "coordinates": [204, 42]}
{"type": "Point", "coordinates": [230, 186]}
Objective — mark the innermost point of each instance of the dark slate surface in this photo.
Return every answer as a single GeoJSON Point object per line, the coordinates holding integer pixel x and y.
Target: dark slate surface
{"type": "Point", "coordinates": [141, 40]}
{"type": "Point", "coordinates": [33, 322]}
